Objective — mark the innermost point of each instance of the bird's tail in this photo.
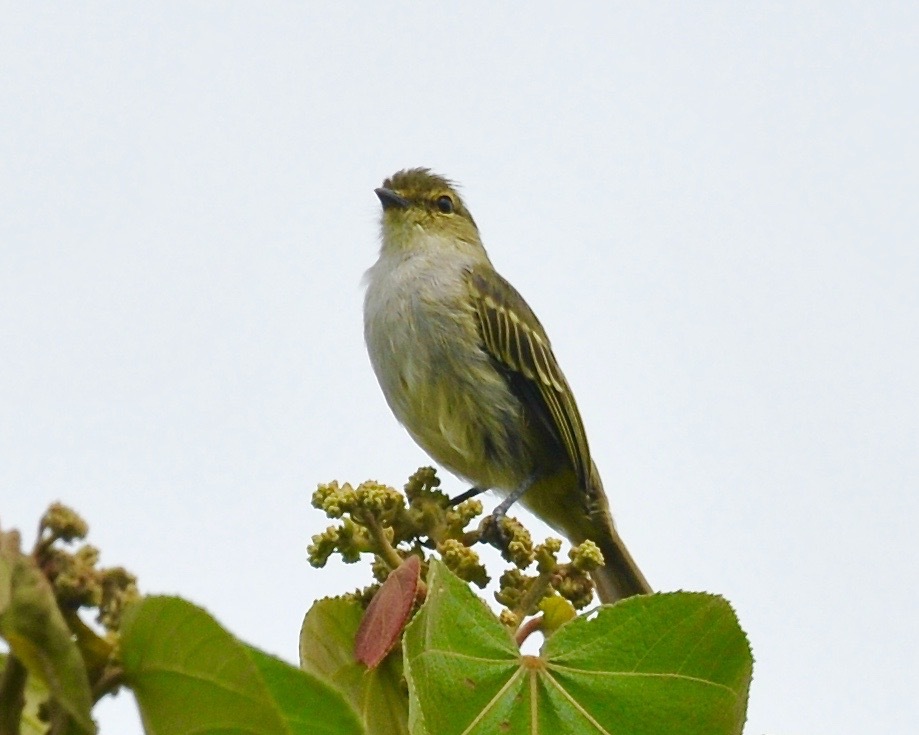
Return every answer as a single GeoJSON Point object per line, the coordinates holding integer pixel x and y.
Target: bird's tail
{"type": "Point", "coordinates": [580, 511]}
{"type": "Point", "coordinates": [619, 576]}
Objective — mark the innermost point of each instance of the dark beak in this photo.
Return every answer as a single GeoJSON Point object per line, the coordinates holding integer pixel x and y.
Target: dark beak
{"type": "Point", "coordinates": [389, 199]}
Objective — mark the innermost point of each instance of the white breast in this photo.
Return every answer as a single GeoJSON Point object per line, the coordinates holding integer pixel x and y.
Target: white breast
{"type": "Point", "coordinates": [423, 342]}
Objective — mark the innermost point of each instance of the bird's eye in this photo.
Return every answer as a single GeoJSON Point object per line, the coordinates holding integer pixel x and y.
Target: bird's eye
{"type": "Point", "coordinates": [445, 204]}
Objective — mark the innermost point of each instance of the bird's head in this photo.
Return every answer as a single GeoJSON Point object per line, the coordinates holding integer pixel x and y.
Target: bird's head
{"type": "Point", "coordinates": [420, 206]}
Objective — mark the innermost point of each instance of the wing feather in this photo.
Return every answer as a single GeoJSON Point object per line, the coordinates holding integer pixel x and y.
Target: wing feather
{"type": "Point", "coordinates": [513, 336]}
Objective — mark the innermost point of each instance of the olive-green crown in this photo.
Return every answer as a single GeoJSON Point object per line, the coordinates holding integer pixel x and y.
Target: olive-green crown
{"type": "Point", "coordinates": [423, 188]}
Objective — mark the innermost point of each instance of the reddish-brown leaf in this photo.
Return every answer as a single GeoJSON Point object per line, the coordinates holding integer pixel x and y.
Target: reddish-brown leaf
{"type": "Point", "coordinates": [387, 614]}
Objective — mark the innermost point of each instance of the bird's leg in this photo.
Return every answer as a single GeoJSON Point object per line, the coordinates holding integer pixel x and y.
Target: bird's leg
{"type": "Point", "coordinates": [470, 493]}
{"type": "Point", "coordinates": [492, 532]}
{"type": "Point", "coordinates": [505, 505]}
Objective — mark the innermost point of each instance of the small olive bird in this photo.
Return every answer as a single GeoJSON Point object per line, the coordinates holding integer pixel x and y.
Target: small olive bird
{"type": "Point", "coordinates": [467, 368]}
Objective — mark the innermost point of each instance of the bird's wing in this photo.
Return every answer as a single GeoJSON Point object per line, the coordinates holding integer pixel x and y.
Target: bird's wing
{"type": "Point", "coordinates": [513, 336]}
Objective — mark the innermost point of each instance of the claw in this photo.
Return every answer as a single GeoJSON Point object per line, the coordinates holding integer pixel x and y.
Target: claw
{"type": "Point", "coordinates": [491, 531]}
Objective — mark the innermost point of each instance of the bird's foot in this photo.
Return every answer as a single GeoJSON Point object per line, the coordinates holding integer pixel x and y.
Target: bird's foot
{"type": "Point", "coordinates": [509, 536]}
{"type": "Point", "coordinates": [492, 531]}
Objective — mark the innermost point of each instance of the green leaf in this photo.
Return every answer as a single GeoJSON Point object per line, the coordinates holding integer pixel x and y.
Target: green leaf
{"type": "Point", "coordinates": [189, 675]}
{"type": "Point", "coordinates": [35, 694]}
{"type": "Point", "coordinates": [675, 662]}
{"type": "Point", "coordinates": [650, 665]}
{"type": "Point", "coordinates": [459, 661]}
{"type": "Point", "coordinates": [327, 651]}
{"type": "Point", "coordinates": [32, 624]}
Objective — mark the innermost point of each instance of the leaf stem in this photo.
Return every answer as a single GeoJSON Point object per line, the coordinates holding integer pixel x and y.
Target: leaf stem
{"type": "Point", "coordinates": [528, 628]}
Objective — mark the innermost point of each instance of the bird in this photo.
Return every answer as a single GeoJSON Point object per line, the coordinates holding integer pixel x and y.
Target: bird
{"type": "Point", "coordinates": [468, 370]}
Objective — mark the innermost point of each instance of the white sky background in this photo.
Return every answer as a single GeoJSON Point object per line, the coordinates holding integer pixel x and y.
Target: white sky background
{"type": "Point", "coordinates": [713, 210]}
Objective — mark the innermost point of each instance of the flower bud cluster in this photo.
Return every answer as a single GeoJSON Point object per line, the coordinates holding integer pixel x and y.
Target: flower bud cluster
{"type": "Point", "coordinates": [75, 576]}
{"type": "Point", "coordinates": [377, 519]}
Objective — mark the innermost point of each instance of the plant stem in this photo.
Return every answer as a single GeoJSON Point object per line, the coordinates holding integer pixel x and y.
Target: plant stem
{"type": "Point", "coordinates": [533, 595]}
{"type": "Point", "coordinates": [384, 548]}
{"type": "Point", "coordinates": [110, 681]}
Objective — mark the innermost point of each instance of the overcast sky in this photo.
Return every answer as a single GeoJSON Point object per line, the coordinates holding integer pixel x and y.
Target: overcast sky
{"type": "Point", "coordinates": [712, 209]}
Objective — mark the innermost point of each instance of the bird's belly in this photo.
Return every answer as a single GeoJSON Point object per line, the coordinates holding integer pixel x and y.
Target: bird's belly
{"type": "Point", "coordinates": [460, 412]}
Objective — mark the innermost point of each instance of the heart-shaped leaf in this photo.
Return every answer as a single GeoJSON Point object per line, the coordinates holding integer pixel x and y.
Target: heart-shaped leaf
{"type": "Point", "coordinates": [189, 675]}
